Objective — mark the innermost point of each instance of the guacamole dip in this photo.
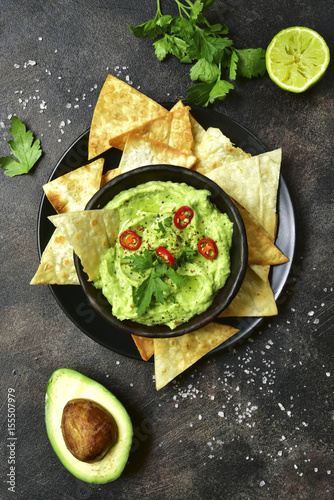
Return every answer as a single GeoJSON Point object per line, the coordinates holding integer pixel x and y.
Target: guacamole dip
{"type": "Point", "coordinates": [171, 257]}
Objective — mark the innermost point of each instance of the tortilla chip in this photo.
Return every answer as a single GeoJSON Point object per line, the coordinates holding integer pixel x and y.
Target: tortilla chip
{"type": "Point", "coordinates": [197, 130]}
{"type": "Point", "coordinates": [57, 265]}
{"type": "Point", "coordinates": [120, 108]}
{"type": "Point", "coordinates": [173, 356]}
{"type": "Point", "coordinates": [214, 149]}
{"type": "Point", "coordinates": [145, 346]}
{"type": "Point", "coordinates": [253, 182]}
{"type": "Point", "coordinates": [139, 152]}
{"type": "Point", "coordinates": [173, 129]}
{"type": "Point", "coordinates": [108, 176]}
{"type": "Point", "coordinates": [255, 298]}
{"type": "Point", "coordinates": [261, 271]}
{"type": "Point", "coordinates": [261, 250]}
{"type": "Point", "coordinates": [72, 191]}
{"type": "Point", "coordinates": [90, 233]}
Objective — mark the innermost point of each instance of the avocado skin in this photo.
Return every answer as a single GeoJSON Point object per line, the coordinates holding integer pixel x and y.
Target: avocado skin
{"type": "Point", "coordinates": [66, 384]}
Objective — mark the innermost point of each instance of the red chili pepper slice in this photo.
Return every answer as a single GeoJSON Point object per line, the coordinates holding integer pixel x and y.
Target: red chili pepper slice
{"type": "Point", "coordinates": [208, 248]}
{"type": "Point", "coordinates": [183, 217]}
{"type": "Point", "coordinates": [167, 256]}
{"type": "Point", "coordinates": [130, 240]}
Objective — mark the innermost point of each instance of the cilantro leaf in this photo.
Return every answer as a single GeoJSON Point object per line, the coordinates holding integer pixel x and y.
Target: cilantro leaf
{"type": "Point", "coordinates": [140, 262]}
{"type": "Point", "coordinates": [153, 286]}
{"type": "Point", "coordinates": [168, 221]}
{"type": "Point", "coordinates": [201, 46]}
{"type": "Point", "coordinates": [187, 256]}
{"type": "Point", "coordinates": [196, 10]}
{"type": "Point", "coordinates": [205, 71]}
{"type": "Point", "coordinates": [171, 45]}
{"type": "Point", "coordinates": [199, 94]}
{"type": "Point", "coordinates": [23, 147]}
{"type": "Point", "coordinates": [233, 65]}
{"type": "Point", "coordinates": [160, 228]}
{"type": "Point", "coordinates": [251, 62]}
{"type": "Point", "coordinates": [143, 295]}
{"type": "Point", "coordinates": [176, 278]}
{"type": "Point", "coordinates": [220, 90]}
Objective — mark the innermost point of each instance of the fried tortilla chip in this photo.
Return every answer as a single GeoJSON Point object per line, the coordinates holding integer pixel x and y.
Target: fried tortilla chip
{"type": "Point", "coordinates": [253, 182]}
{"type": "Point", "coordinates": [197, 130]}
{"type": "Point", "coordinates": [261, 250]}
{"type": "Point", "coordinates": [119, 109]}
{"type": "Point", "coordinates": [56, 266]}
{"type": "Point", "coordinates": [90, 233]}
{"type": "Point", "coordinates": [173, 356]}
{"type": "Point", "coordinates": [261, 271]}
{"type": "Point", "coordinates": [109, 175]}
{"type": "Point", "coordinates": [214, 149]}
{"type": "Point", "coordinates": [72, 191]}
{"type": "Point", "coordinates": [255, 298]}
{"type": "Point", "coordinates": [139, 151]}
{"type": "Point", "coordinates": [145, 346]}
{"type": "Point", "coordinates": [173, 129]}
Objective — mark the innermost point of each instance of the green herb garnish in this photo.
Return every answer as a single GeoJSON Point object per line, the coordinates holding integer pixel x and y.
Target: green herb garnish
{"type": "Point", "coordinates": [153, 286]}
{"type": "Point", "coordinates": [187, 255]}
{"type": "Point", "coordinates": [23, 147]}
{"type": "Point", "coordinates": [161, 228]}
{"type": "Point", "coordinates": [193, 39]}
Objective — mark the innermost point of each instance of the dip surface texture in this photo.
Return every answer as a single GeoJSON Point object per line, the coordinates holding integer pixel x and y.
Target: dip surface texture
{"type": "Point", "coordinates": [149, 210]}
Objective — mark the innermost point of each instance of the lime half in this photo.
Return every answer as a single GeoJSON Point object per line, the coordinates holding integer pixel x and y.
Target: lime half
{"type": "Point", "coordinates": [297, 58]}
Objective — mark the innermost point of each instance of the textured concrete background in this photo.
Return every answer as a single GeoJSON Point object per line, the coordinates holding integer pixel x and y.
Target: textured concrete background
{"type": "Point", "coordinates": [252, 423]}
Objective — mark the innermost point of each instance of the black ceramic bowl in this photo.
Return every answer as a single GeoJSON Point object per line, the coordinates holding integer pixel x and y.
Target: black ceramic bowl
{"type": "Point", "coordinates": [239, 253]}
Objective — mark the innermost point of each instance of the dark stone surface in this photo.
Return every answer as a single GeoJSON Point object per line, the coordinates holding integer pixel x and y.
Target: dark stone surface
{"type": "Point", "coordinates": [253, 423]}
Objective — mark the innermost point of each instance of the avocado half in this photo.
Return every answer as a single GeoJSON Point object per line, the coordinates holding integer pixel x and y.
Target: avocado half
{"type": "Point", "coordinates": [65, 385]}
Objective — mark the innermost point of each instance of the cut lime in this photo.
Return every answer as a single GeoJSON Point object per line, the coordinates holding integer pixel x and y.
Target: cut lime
{"type": "Point", "coordinates": [297, 58]}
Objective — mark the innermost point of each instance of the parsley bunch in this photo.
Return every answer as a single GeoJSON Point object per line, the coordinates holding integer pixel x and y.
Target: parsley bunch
{"type": "Point", "coordinates": [153, 286]}
{"type": "Point", "coordinates": [193, 39]}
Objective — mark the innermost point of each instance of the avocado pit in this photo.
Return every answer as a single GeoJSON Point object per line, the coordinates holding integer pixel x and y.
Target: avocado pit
{"type": "Point", "coordinates": [88, 429]}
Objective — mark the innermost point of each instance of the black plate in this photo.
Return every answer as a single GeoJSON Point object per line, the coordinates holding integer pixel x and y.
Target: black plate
{"type": "Point", "coordinates": [72, 299]}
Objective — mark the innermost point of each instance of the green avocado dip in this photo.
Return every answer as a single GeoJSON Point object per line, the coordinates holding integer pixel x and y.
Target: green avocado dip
{"type": "Point", "coordinates": [171, 257]}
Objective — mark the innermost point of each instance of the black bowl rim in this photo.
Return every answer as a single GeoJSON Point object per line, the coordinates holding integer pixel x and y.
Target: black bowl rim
{"type": "Point", "coordinates": [197, 321]}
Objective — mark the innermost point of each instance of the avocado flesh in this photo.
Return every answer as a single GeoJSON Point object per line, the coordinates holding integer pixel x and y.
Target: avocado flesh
{"type": "Point", "coordinates": [66, 384]}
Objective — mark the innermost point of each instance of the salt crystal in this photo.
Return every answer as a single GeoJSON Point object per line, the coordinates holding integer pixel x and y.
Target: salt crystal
{"type": "Point", "coordinates": [29, 63]}
{"type": "Point", "coordinates": [262, 483]}
{"type": "Point", "coordinates": [16, 66]}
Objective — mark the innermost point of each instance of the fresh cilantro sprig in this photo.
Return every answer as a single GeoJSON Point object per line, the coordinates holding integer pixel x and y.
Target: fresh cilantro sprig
{"type": "Point", "coordinates": [153, 286]}
{"type": "Point", "coordinates": [193, 39]}
{"type": "Point", "coordinates": [162, 225]}
{"type": "Point", "coordinates": [187, 256]}
{"type": "Point", "coordinates": [23, 147]}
